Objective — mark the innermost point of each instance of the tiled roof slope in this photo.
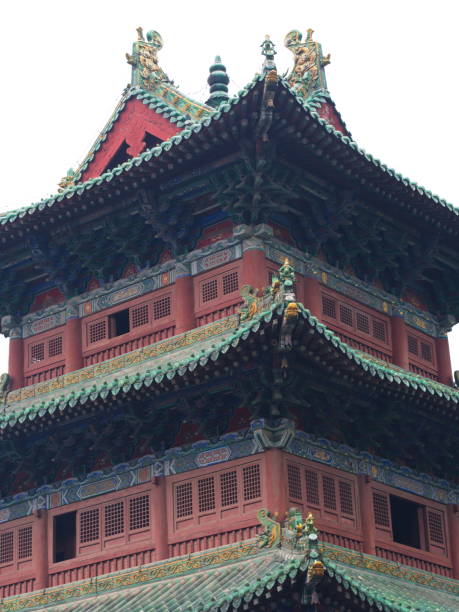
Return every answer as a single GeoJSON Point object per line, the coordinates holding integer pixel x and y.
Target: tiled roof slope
{"type": "Point", "coordinates": [184, 355]}
{"type": "Point", "coordinates": [163, 153]}
{"type": "Point", "coordinates": [241, 574]}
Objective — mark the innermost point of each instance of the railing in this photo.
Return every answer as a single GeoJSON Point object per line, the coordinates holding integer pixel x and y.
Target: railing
{"type": "Point", "coordinates": [413, 561]}
{"type": "Point", "coordinates": [417, 370]}
{"type": "Point", "coordinates": [211, 541]}
{"type": "Point", "coordinates": [17, 588]}
{"type": "Point", "coordinates": [215, 315]}
{"type": "Point", "coordinates": [365, 348]}
{"type": "Point", "coordinates": [98, 568]}
{"type": "Point", "coordinates": [339, 540]}
{"type": "Point", "coordinates": [129, 345]}
{"type": "Point", "coordinates": [43, 375]}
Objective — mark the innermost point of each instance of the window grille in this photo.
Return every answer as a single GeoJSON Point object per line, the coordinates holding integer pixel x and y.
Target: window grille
{"type": "Point", "coordinates": [184, 500]}
{"type": "Point", "coordinates": [312, 488]}
{"type": "Point", "coordinates": [328, 487]}
{"type": "Point", "coordinates": [25, 542]}
{"type": "Point", "coordinates": [329, 307]}
{"type": "Point", "coordinates": [426, 351]}
{"type": "Point", "coordinates": [139, 512]}
{"type": "Point", "coordinates": [206, 494]}
{"type": "Point", "coordinates": [362, 322]}
{"type": "Point", "coordinates": [89, 525]}
{"type": "Point", "coordinates": [55, 346]}
{"type": "Point", "coordinates": [139, 315]}
{"type": "Point", "coordinates": [6, 547]}
{"type": "Point", "coordinates": [209, 290]}
{"type": "Point", "coordinates": [435, 526]}
{"type": "Point", "coordinates": [162, 307]}
{"type": "Point", "coordinates": [345, 497]}
{"type": "Point", "coordinates": [345, 315]}
{"type": "Point", "coordinates": [379, 330]}
{"type": "Point", "coordinates": [381, 510]}
{"type": "Point", "coordinates": [230, 283]}
{"type": "Point", "coordinates": [114, 519]}
{"type": "Point", "coordinates": [97, 331]}
{"type": "Point", "coordinates": [294, 482]}
{"type": "Point", "coordinates": [228, 485]}
{"type": "Point", "coordinates": [37, 352]}
{"type": "Point", "coordinates": [412, 345]}
{"type": "Point", "coordinates": [251, 482]}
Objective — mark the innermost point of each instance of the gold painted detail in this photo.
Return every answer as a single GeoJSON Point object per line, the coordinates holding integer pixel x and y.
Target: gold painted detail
{"type": "Point", "coordinates": [138, 356]}
{"type": "Point", "coordinates": [138, 576]}
{"type": "Point", "coordinates": [307, 73]}
{"type": "Point", "coordinates": [356, 559]}
{"type": "Point", "coordinates": [144, 60]}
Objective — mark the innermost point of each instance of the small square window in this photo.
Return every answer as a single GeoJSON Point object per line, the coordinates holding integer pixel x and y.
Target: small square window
{"type": "Point", "coordinates": [209, 290]}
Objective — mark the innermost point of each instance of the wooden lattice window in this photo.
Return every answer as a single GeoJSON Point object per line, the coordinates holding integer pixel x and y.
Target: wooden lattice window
{"type": "Point", "coordinates": [37, 352]}
{"type": "Point", "coordinates": [381, 509]}
{"type": "Point", "coordinates": [184, 500]}
{"type": "Point", "coordinates": [379, 330]}
{"type": "Point", "coordinates": [97, 331]}
{"type": "Point", "coordinates": [329, 493]}
{"type": "Point", "coordinates": [413, 345]}
{"type": "Point", "coordinates": [312, 488]}
{"type": "Point", "coordinates": [89, 525]}
{"type": "Point", "coordinates": [230, 282]}
{"type": "Point", "coordinates": [209, 290]}
{"type": "Point", "coordinates": [25, 542]}
{"type": "Point", "coordinates": [139, 512]}
{"type": "Point", "coordinates": [162, 307]}
{"type": "Point", "coordinates": [346, 499]}
{"type": "Point", "coordinates": [6, 547]}
{"type": "Point", "coordinates": [206, 494]}
{"type": "Point", "coordinates": [345, 315]}
{"type": "Point", "coordinates": [139, 315]}
{"type": "Point", "coordinates": [251, 482]}
{"type": "Point", "coordinates": [294, 482]}
{"type": "Point", "coordinates": [228, 486]}
{"type": "Point", "coordinates": [426, 351]}
{"type": "Point", "coordinates": [362, 322]}
{"type": "Point", "coordinates": [435, 527]}
{"type": "Point", "coordinates": [329, 306]}
{"type": "Point", "coordinates": [420, 349]}
{"type": "Point", "coordinates": [55, 346]}
{"type": "Point", "coordinates": [114, 519]}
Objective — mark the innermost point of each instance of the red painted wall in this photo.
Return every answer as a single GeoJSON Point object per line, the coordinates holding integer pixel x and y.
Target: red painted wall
{"type": "Point", "coordinates": [135, 119]}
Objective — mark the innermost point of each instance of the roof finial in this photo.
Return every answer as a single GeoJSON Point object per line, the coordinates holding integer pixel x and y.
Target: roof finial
{"type": "Point", "coordinates": [269, 51]}
{"type": "Point", "coordinates": [307, 74]}
{"type": "Point", "coordinates": [144, 60]}
{"type": "Point", "coordinates": [218, 81]}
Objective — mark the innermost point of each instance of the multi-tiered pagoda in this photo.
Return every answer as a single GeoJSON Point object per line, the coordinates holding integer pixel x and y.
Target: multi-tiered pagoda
{"type": "Point", "coordinates": [229, 381]}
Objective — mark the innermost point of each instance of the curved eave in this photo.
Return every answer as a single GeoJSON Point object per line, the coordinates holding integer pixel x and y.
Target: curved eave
{"type": "Point", "coordinates": [345, 360]}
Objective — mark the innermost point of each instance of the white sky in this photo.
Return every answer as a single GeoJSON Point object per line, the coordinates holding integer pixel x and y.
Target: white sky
{"type": "Point", "coordinates": [393, 77]}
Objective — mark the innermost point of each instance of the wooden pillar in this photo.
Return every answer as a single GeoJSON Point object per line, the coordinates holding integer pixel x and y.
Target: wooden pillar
{"type": "Point", "coordinates": [312, 296]}
{"type": "Point", "coordinates": [184, 300]}
{"type": "Point", "coordinates": [16, 362]}
{"type": "Point", "coordinates": [399, 341]}
{"type": "Point", "coordinates": [275, 482]}
{"type": "Point", "coordinates": [453, 524]}
{"type": "Point", "coordinates": [366, 514]}
{"type": "Point", "coordinates": [254, 268]}
{"type": "Point", "coordinates": [40, 549]}
{"type": "Point", "coordinates": [73, 343]}
{"type": "Point", "coordinates": [443, 360]}
{"type": "Point", "coordinates": [160, 522]}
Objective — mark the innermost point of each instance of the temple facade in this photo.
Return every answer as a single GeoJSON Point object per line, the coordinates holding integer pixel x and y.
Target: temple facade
{"type": "Point", "coordinates": [229, 380]}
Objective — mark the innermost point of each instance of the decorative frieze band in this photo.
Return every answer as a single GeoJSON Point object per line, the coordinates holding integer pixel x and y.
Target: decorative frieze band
{"type": "Point", "coordinates": [230, 446]}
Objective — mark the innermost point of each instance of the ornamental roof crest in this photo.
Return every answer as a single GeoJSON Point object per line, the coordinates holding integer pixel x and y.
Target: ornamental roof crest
{"type": "Point", "coordinates": [307, 74]}
{"type": "Point", "coordinates": [144, 60]}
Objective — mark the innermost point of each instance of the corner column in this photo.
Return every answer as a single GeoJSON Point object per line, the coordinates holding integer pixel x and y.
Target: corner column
{"type": "Point", "coordinates": [184, 299]}
{"type": "Point", "coordinates": [366, 514]}
{"type": "Point", "coordinates": [40, 549]}
{"type": "Point", "coordinates": [160, 523]}
{"type": "Point", "coordinates": [275, 482]}
{"type": "Point", "coordinates": [443, 360]}
{"type": "Point", "coordinates": [254, 268]}
{"type": "Point", "coordinates": [15, 352]}
{"type": "Point", "coordinates": [312, 297]}
{"type": "Point", "coordinates": [73, 341]}
{"type": "Point", "coordinates": [399, 341]}
{"type": "Point", "coordinates": [453, 523]}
